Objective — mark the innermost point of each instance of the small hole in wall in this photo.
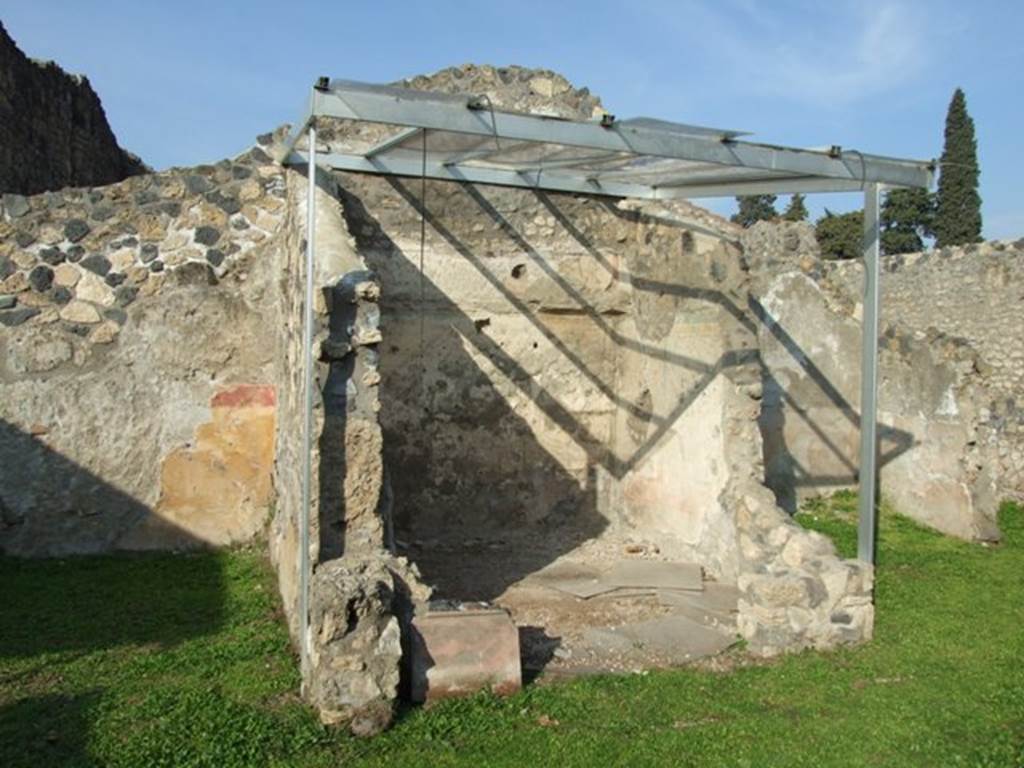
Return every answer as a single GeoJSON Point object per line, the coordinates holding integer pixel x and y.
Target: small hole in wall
{"type": "Point", "coordinates": [518, 271]}
{"type": "Point", "coordinates": [689, 244]}
{"type": "Point", "coordinates": [481, 324]}
{"type": "Point", "coordinates": [535, 345]}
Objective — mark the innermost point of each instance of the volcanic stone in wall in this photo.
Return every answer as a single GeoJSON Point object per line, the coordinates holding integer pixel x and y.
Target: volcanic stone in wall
{"type": "Point", "coordinates": [53, 131]}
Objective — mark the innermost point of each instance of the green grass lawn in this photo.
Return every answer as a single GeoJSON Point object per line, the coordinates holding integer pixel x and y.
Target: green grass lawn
{"type": "Point", "coordinates": [184, 661]}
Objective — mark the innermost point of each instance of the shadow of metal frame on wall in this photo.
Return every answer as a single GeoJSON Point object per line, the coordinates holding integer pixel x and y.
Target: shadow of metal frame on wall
{"type": "Point", "coordinates": [617, 466]}
{"type": "Point", "coordinates": [455, 331]}
{"type": "Point", "coordinates": [893, 442]}
{"type": "Point", "coordinates": [639, 158]}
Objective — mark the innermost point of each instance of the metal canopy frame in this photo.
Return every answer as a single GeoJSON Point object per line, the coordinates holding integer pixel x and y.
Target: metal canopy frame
{"type": "Point", "coordinates": [468, 140]}
{"type": "Point", "coordinates": [463, 138]}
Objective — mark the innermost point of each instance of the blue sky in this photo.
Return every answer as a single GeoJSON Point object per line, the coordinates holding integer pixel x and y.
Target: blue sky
{"type": "Point", "coordinates": [187, 82]}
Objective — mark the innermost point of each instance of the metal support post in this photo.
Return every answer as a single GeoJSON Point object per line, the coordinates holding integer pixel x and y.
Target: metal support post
{"type": "Point", "coordinates": [307, 426]}
{"type": "Point", "coordinates": [869, 380]}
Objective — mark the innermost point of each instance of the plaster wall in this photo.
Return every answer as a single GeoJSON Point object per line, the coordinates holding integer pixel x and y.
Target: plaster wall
{"type": "Point", "coordinates": [951, 439]}
{"type": "Point", "coordinates": [137, 411]}
{"type": "Point", "coordinates": [553, 368]}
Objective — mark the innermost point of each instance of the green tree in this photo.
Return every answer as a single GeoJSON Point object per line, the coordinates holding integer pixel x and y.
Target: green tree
{"type": "Point", "coordinates": [958, 207]}
{"type": "Point", "coordinates": [796, 210]}
{"type": "Point", "coordinates": [907, 217]}
{"type": "Point", "coordinates": [840, 236]}
{"type": "Point", "coordinates": [754, 208]}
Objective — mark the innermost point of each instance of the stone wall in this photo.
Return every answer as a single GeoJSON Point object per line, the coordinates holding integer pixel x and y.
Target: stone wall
{"type": "Point", "coordinates": [537, 372]}
{"type": "Point", "coordinates": [533, 380]}
{"type": "Point", "coordinates": [137, 401]}
{"type": "Point", "coordinates": [361, 597]}
{"type": "Point", "coordinates": [558, 371]}
{"type": "Point", "coordinates": [562, 371]}
{"type": "Point", "coordinates": [151, 392]}
{"type": "Point", "coordinates": [952, 353]}
{"type": "Point", "coordinates": [53, 131]}
{"type": "Point", "coordinates": [347, 473]}
{"type": "Point", "coordinates": [540, 370]}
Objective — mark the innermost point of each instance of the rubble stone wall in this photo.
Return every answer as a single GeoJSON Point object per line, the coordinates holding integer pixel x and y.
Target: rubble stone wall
{"type": "Point", "coordinates": [138, 403]}
{"type": "Point", "coordinates": [53, 131]}
{"type": "Point", "coordinates": [491, 364]}
{"type": "Point", "coordinates": [347, 465]}
{"type": "Point", "coordinates": [952, 351]}
{"type": "Point", "coordinates": [557, 369]}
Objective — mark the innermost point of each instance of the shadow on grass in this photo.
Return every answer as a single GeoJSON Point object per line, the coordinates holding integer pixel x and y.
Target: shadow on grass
{"type": "Point", "coordinates": [92, 603]}
{"type": "Point", "coordinates": [57, 610]}
{"type": "Point", "coordinates": [53, 505]}
{"type": "Point", "coordinates": [47, 730]}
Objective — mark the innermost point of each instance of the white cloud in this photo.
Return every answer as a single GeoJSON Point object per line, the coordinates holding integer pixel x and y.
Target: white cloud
{"type": "Point", "coordinates": [826, 54]}
{"type": "Point", "coordinates": [881, 50]}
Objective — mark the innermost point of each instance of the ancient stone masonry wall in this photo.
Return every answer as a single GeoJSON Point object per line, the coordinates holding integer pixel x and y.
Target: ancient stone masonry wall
{"type": "Point", "coordinates": [53, 131]}
{"type": "Point", "coordinates": [952, 352]}
{"type": "Point", "coordinates": [360, 595]}
{"type": "Point", "coordinates": [515, 328]}
{"type": "Point", "coordinates": [562, 373]}
{"type": "Point", "coordinates": [538, 91]}
{"type": "Point", "coordinates": [346, 460]}
{"type": "Point", "coordinates": [557, 372]}
{"type": "Point", "coordinates": [137, 401]}
{"type": "Point", "coordinates": [966, 303]}
{"type": "Point", "coordinates": [795, 592]}
{"type": "Point", "coordinates": [521, 374]}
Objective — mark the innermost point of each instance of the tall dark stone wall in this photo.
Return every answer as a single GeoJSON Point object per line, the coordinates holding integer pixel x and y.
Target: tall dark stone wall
{"type": "Point", "coordinates": [53, 131]}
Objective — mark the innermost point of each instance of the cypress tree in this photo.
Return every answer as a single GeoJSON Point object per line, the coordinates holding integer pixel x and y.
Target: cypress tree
{"type": "Point", "coordinates": [958, 209]}
{"type": "Point", "coordinates": [796, 210]}
{"type": "Point", "coordinates": [907, 217]}
{"type": "Point", "coordinates": [754, 208]}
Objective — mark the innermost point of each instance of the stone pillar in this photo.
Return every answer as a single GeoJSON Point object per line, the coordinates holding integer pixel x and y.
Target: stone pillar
{"type": "Point", "coordinates": [351, 446]}
{"type": "Point", "coordinates": [361, 597]}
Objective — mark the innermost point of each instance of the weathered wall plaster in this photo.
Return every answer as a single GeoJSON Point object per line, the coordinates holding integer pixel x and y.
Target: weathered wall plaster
{"type": "Point", "coordinates": [563, 369]}
{"type": "Point", "coordinates": [951, 447]}
{"type": "Point", "coordinates": [138, 404]}
{"type": "Point", "coordinates": [532, 380]}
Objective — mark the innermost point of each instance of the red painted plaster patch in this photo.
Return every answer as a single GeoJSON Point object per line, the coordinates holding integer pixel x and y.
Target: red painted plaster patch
{"type": "Point", "coordinates": [245, 395]}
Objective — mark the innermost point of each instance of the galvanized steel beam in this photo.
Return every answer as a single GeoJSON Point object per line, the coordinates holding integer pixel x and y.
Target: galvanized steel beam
{"type": "Point", "coordinates": [562, 179]}
{"type": "Point", "coordinates": [299, 128]}
{"type": "Point", "coordinates": [530, 179]}
{"type": "Point", "coordinates": [307, 411]}
{"type": "Point", "coordinates": [869, 380]}
{"type": "Point", "coordinates": [781, 186]}
{"type": "Point", "coordinates": [356, 101]}
{"type": "Point", "coordinates": [394, 141]}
